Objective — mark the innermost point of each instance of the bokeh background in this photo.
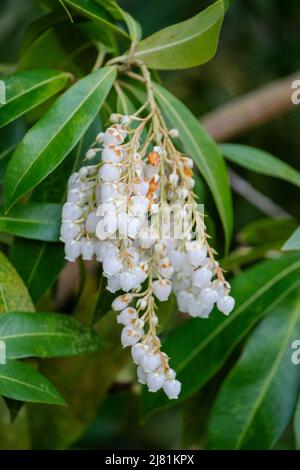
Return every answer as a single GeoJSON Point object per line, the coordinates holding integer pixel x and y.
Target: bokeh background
{"type": "Point", "coordinates": [260, 42]}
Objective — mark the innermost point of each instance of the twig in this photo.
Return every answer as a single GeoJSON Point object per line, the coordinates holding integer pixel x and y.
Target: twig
{"type": "Point", "coordinates": [251, 110]}
{"type": "Point", "coordinates": [262, 202]}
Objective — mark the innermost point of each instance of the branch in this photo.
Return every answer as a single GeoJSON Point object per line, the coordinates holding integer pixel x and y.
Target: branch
{"type": "Point", "coordinates": [262, 202]}
{"type": "Point", "coordinates": [251, 110]}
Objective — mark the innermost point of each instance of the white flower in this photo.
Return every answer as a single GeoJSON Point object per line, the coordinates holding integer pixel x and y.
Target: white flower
{"type": "Point", "coordinates": [111, 154]}
{"type": "Point", "coordinates": [137, 351]}
{"type": "Point", "coordinates": [112, 137]}
{"type": "Point", "coordinates": [202, 277]}
{"type": "Point", "coordinates": [196, 253]}
{"type": "Point", "coordinates": [173, 133]}
{"type": "Point", "coordinates": [87, 249]}
{"type": "Point", "coordinates": [155, 381]}
{"type": "Point", "coordinates": [140, 186]}
{"type": "Point", "coordinates": [209, 296]}
{"type": "Point", "coordinates": [162, 289]}
{"type": "Point", "coordinates": [130, 336]}
{"type": "Point", "coordinates": [91, 222]}
{"type": "Point", "coordinates": [172, 388]}
{"type": "Point", "coordinates": [128, 280]}
{"type": "Point", "coordinates": [149, 361]}
{"type": "Point", "coordinates": [113, 284]}
{"type": "Point", "coordinates": [141, 375]}
{"type": "Point", "coordinates": [90, 154]}
{"type": "Point", "coordinates": [69, 231]}
{"type": "Point", "coordinates": [71, 211]}
{"type": "Point", "coordinates": [72, 250]}
{"type": "Point", "coordinates": [165, 268]}
{"type": "Point", "coordinates": [110, 172]}
{"type": "Point", "coordinates": [128, 316]}
{"type": "Point", "coordinates": [112, 265]}
{"type": "Point", "coordinates": [226, 304]}
{"type": "Point", "coordinates": [121, 302]}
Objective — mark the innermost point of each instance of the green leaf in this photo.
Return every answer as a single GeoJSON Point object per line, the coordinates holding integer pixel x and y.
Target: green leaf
{"type": "Point", "coordinates": [256, 389]}
{"type": "Point", "coordinates": [260, 161]}
{"type": "Point", "coordinates": [27, 90]}
{"type": "Point", "coordinates": [38, 263]}
{"type": "Point", "coordinates": [133, 26]}
{"type": "Point", "coordinates": [13, 293]}
{"type": "Point", "coordinates": [45, 335]}
{"type": "Point", "coordinates": [49, 141]}
{"type": "Point", "coordinates": [39, 221]}
{"type": "Point", "coordinates": [200, 347]}
{"type": "Point", "coordinates": [124, 104]}
{"type": "Point", "coordinates": [266, 230]}
{"type": "Point", "coordinates": [297, 424]}
{"type": "Point", "coordinates": [186, 44]}
{"type": "Point", "coordinates": [96, 13]}
{"type": "Point", "coordinates": [22, 382]}
{"type": "Point", "coordinates": [204, 152]}
{"type": "Point", "coordinates": [293, 243]}
{"type": "Point", "coordinates": [84, 382]}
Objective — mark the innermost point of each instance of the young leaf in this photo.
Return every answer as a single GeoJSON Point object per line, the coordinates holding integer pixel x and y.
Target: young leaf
{"type": "Point", "coordinates": [255, 391]}
{"type": "Point", "coordinates": [96, 13]}
{"type": "Point", "coordinates": [134, 28]}
{"type": "Point", "coordinates": [204, 152]}
{"type": "Point", "coordinates": [199, 348]}
{"type": "Point", "coordinates": [39, 221]}
{"type": "Point", "coordinates": [13, 293]}
{"type": "Point", "coordinates": [22, 382]}
{"type": "Point", "coordinates": [293, 243]}
{"type": "Point", "coordinates": [260, 161]}
{"type": "Point", "coordinates": [186, 44]}
{"type": "Point", "coordinates": [297, 424]}
{"type": "Point", "coordinates": [26, 90]}
{"type": "Point", "coordinates": [45, 335]}
{"type": "Point", "coordinates": [49, 141]}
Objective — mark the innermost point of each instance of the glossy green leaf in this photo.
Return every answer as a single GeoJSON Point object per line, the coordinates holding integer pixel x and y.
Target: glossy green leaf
{"type": "Point", "coordinates": [263, 386]}
{"type": "Point", "coordinates": [65, 46]}
{"type": "Point", "coordinates": [84, 382]}
{"type": "Point", "coordinates": [204, 152]}
{"type": "Point", "coordinates": [260, 161]}
{"type": "Point", "coordinates": [39, 263]}
{"type": "Point", "coordinates": [266, 230]}
{"type": "Point", "coordinates": [22, 382]}
{"type": "Point", "coordinates": [124, 105]}
{"type": "Point", "coordinates": [13, 293]}
{"type": "Point", "coordinates": [26, 90]}
{"type": "Point", "coordinates": [297, 424]}
{"type": "Point", "coordinates": [186, 44]}
{"type": "Point", "coordinates": [200, 347]}
{"type": "Point", "coordinates": [96, 13]}
{"type": "Point", "coordinates": [39, 221]}
{"type": "Point", "coordinates": [133, 26]}
{"type": "Point", "coordinates": [49, 141]}
{"type": "Point", "coordinates": [45, 335]}
{"type": "Point", "coordinates": [293, 243]}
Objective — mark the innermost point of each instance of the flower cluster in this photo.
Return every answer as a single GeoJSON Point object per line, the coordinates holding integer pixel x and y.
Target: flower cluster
{"type": "Point", "coordinates": [136, 212]}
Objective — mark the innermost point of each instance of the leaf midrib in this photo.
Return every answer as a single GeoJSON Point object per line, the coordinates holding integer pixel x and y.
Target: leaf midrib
{"type": "Point", "coordinates": [270, 376]}
{"type": "Point", "coordinates": [175, 43]}
{"type": "Point", "coordinates": [28, 385]}
{"type": "Point", "coordinates": [224, 324]}
{"type": "Point", "coordinates": [37, 85]}
{"type": "Point", "coordinates": [33, 334]}
{"type": "Point", "coordinates": [82, 103]}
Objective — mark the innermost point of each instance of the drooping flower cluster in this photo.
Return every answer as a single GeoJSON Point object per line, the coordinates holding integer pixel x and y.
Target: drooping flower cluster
{"type": "Point", "coordinates": [136, 212]}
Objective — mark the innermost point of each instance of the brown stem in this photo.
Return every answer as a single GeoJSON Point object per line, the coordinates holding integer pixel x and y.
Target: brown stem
{"type": "Point", "coordinates": [252, 110]}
